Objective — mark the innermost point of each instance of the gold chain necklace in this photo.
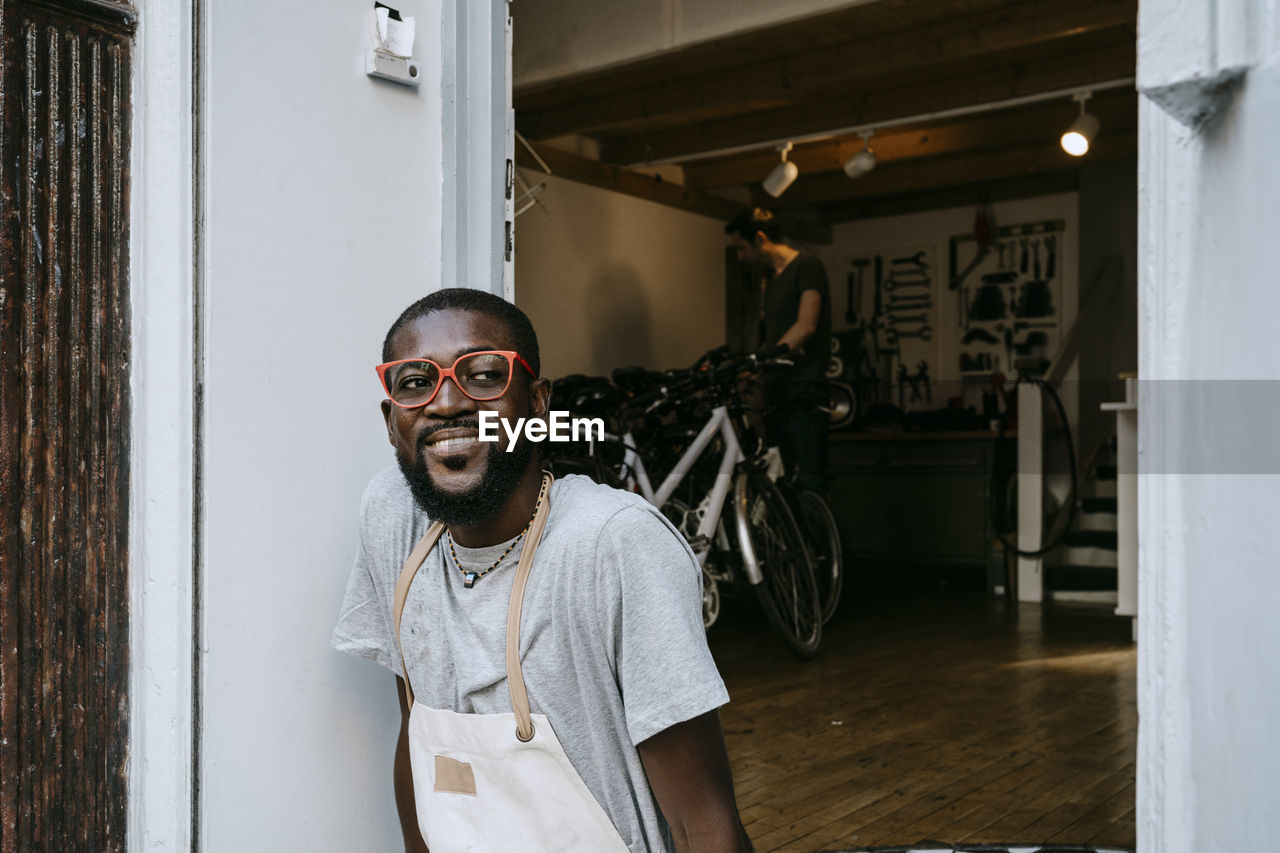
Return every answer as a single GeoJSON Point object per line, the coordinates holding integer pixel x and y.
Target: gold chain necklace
{"type": "Point", "coordinates": [469, 577]}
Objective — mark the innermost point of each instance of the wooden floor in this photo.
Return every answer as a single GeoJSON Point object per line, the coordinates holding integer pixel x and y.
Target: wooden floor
{"type": "Point", "coordinates": [949, 717]}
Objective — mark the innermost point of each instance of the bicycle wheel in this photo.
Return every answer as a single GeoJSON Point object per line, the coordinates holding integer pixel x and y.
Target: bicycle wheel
{"type": "Point", "coordinates": [823, 537]}
{"type": "Point", "coordinates": [787, 591]}
{"type": "Point", "coordinates": [686, 521]}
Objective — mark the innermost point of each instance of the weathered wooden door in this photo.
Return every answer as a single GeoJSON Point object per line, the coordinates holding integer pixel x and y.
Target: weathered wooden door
{"type": "Point", "coordinates": [64, 423]}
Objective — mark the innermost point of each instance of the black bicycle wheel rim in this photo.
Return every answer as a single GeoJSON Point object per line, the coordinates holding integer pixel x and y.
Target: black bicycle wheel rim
{"type": "Point", "coordinates": [788, 592]}
{"type": "Point", "coordinates": [819, 527]}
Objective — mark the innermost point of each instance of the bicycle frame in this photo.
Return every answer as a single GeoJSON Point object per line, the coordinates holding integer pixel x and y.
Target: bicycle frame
{"type": "Point", "coordinates": [721, 423]}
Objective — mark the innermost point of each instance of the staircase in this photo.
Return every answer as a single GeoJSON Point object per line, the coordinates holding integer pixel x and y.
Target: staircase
{"type": "Point", "coordinates": [1084, 568]}
{"type": "Point", "coordinates": [1097, 560]}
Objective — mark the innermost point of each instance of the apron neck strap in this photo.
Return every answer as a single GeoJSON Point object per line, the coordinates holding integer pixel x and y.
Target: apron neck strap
{"type": "Point", "coordinates": [515, 676]}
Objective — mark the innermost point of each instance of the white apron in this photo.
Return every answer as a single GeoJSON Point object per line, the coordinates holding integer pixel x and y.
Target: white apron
{"type": "Point", "coordinates": [497, 782]}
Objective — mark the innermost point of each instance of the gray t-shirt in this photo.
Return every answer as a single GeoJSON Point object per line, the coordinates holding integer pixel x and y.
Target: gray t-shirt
{"type": "Point", "coordinates": [611, 639]}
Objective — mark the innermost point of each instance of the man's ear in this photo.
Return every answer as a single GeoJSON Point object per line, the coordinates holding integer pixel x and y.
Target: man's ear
{"type": "Point", "coordinates": [757, 239]}
{"type": "Point", "coordinates": [388, 410]}
{"type": "Point", "coordinates": [540, 397]}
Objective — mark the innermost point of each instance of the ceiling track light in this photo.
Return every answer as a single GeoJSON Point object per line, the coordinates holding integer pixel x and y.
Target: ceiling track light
{"type": "Point", "coordinates": [783, 175]}
{"type": "Point", "coordinates": [1079, 137]}
{"type": "Point", "coordinates": [863, 161]}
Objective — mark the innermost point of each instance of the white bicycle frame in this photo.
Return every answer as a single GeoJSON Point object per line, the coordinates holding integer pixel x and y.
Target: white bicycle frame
{"type": "Point", "coordinates": [721, 423]}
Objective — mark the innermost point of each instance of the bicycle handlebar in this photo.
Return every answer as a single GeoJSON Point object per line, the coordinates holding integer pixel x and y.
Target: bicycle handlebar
{"type": "Point", "coordinates": [713, 372]}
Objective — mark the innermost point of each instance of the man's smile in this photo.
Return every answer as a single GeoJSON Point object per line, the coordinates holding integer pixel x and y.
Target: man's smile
{"type": "Point", "coordinates": [450, 441]}
{"type": "Point", "coordinates": [442, 443]}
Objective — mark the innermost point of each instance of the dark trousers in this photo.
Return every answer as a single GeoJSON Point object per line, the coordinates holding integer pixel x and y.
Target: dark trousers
{"type": "Point", "coordinates": [797, 423]}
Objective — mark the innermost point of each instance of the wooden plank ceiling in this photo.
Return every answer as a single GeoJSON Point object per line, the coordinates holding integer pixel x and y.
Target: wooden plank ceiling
{"type": "Point", "coordinates": [718, 108]}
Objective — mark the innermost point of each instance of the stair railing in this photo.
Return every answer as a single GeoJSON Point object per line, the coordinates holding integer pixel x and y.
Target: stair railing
{"type": "Point", "coordinates": [1031, 435]}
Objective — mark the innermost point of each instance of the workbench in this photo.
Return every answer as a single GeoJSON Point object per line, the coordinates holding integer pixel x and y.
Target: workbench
{"type": "Point", "coordinates": [917, 496]}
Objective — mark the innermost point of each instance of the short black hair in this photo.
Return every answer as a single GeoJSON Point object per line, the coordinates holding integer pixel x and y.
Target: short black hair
{"type": "Point", "coordinates": [480, 301]}
{"type": "Point", "coordinates": [748, 222]}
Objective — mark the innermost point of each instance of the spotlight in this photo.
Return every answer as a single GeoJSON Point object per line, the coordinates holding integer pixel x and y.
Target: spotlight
{"type": "Point", "coordinates": [1079, 136]}
{"type": "Point", "coordinates": [783, 174]}
{"type": "Point", "coordinates": [863, 161]}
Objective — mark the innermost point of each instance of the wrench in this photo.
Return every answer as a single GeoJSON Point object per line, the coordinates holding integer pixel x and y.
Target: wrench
{"type": "Point", "coordinates": [917, 260]}
{"type": "Point", "coordinates": [914, 318]}
{"type": "Point", "coordinates": [924, 333]}
{"type": "Point", "coordinates": [890, 283]}
{"type": "Point", "coordinates": [910, 297]}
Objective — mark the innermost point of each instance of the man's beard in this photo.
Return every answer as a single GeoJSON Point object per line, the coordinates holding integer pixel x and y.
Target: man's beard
{"type": "Point", "coordinates": [481, 503]}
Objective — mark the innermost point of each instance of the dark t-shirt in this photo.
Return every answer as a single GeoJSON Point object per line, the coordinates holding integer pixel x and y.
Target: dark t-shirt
{"type": "Point", "coordinates": [782, 306]}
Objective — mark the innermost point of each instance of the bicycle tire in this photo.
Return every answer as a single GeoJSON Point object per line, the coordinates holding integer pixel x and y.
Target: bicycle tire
{"type": "Point", "coordinates": [787, 592]}
{"type": "Point", "coordinates": [823, 537]}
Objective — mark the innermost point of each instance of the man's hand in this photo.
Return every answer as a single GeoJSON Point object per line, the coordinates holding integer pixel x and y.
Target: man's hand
{"type": "Point", "coordinates": [688, 769]}
{"type": "Point", "coordinates": [403, 771]}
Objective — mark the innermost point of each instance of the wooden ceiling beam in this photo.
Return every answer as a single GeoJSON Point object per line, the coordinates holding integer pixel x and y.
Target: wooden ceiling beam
{"type": "Point", "coordinates": [880, 104]}
{"type": "Point", "coordinates": [1116, 109]}
{"type": "Point", "coordinates": [584, 170]}
{"type": "Point", "coordinates": [814, 74]}
{"type": "Point", "coordinates": [963, 195]}
{"type": "Point", "coordinates": [856, 19]}
{"type": "Point", "coordinates": [937, 172]}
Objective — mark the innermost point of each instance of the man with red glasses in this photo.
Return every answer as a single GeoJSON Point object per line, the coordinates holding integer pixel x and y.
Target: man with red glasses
{"type": "Point", "coordinates": [556, 689]}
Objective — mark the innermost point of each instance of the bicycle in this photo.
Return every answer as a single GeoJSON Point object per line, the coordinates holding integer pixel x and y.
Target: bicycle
{"type": "Point", "coordinates": [771, 552]}
{"type": "Point", "coordinates": [812, 513]}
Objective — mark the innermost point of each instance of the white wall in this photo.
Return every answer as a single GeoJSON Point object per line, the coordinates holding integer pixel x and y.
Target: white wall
{"type": "Point", "coordinates": [323, 222]}
{"type": "Point", "coordinates": [558, 37]}
{"type": "Point", "coordinates": [1208, 679]}
{"type": "Point", "coordinates": [611, 280]}
{"type": "Point", "coordinates": [161, 503]}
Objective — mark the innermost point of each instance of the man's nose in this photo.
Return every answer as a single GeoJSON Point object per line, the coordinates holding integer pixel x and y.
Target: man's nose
{"type": "Point", "coordinates": [450, 399]}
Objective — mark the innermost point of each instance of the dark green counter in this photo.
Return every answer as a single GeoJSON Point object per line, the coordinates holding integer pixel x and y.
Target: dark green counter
{"type": "Point", "coordinates": [919, 496]}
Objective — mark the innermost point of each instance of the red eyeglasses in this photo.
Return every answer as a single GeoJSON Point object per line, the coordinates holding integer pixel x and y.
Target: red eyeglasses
{"type": "Point", "coordinates": [485, 375]}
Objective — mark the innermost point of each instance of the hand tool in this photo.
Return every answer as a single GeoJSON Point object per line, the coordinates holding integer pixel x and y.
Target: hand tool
{"type": "Point", "coordinates": [1034, 299]}
{"type": "Point", "coordinates": [1051, 244]}
{"type": "Point", "coordinates": [914, 260]}
{"type": "Point", "coordinates": [980, 335]}
{"type": "Point", "coordinates": [853, 290]}
{"type": "Point", "coordinates": [1000, 277]}
{"type": "Point", "coordinates": [894, 319]}
{"type": "Point", "coordinates": [1023, 265]}
{"type": "Point", "coordinates": [877, 302]}
{"type": "Point", "coordinates": [988, 303]}
{"type": "Point", "coordinates": [956, 280]}
{"type": "Point", "coordinates": [921, 380]}
{"type": "Point", "coordinates": [1019, 326]}
{"type": "Point", "coordinates": [1035, 250]}
{"type": "Point", "coordinates": [924, 333]}
{"type": "Point", "coordinates": [892, 283]}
